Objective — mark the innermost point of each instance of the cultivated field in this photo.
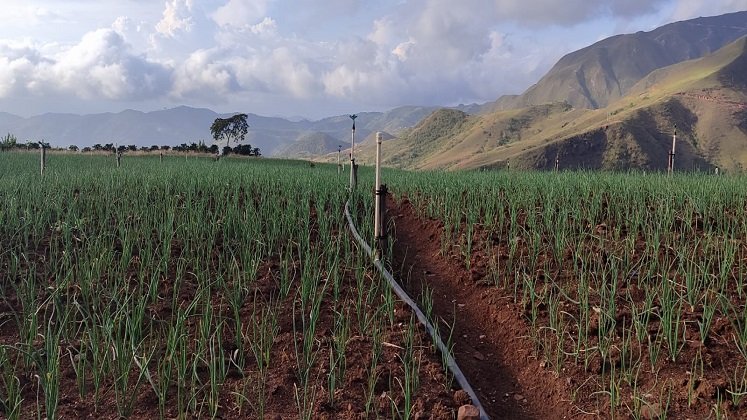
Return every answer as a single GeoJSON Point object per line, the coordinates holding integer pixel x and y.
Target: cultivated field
{"type": "Point", "coordinates": [631, 287]}
{"type": "Point", "coordinates": [197, 289]}
{"type": "Point", "coordinates": [233, 289]}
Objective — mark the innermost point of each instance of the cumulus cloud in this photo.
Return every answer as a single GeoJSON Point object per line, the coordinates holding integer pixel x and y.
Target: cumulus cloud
{"type": "Point", "coordinates": [268, 27]}
{"type": "Point", "coordinates": [101, 66]}
{"type": "Point", "coordinates": [17, 65]}
{"type": "Point", "coordinates": [176, 18]}
{"type": "Point", "coordinates": [241, 13]}
{"type": "Point", "coordinates": [432, 52]}
{"type": "Point", "coordinates": [202, 76]}
{"type": "Point", "coordinates": [380, 54]}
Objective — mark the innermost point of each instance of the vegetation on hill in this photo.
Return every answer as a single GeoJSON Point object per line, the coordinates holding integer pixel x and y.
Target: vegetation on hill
{"type": "Point", "coordinates": [704, 98]}
{"type": "Point", "coordinates": [311, 144]}
{"type": "Point", "coordinates": [604, 72]}
{"type": "Point", "coordinates": [427, 137]}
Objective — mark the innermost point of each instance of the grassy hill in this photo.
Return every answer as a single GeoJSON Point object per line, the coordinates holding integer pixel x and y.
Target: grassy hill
{"type": "Point", "coordinates": [596, 76]}
{"type": "Point", "coordinates": [310, 144]}
{"type": "Point", "coordinates": [706, 99]}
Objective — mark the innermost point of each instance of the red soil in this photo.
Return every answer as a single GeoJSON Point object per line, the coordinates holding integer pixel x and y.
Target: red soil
{"type": "Point", "coordinates": [491, 343]}
{"type": "Point", "coordinates": [494, 349]}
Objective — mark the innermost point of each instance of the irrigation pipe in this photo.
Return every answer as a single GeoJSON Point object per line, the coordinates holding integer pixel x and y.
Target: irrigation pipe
{"type": "Point", "coordinates": [450, 362]}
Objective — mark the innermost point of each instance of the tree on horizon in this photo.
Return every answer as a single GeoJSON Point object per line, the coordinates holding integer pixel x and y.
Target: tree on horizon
{"type": "Point", "coordinates": [233, 128]}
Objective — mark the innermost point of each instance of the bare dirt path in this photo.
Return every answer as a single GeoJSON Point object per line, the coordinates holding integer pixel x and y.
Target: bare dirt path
{"type": "Point", "coordinates": [491, 340]}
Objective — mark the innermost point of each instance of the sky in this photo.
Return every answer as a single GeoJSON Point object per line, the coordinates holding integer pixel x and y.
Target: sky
{"type": "Point", "coordinates": [299, 58]}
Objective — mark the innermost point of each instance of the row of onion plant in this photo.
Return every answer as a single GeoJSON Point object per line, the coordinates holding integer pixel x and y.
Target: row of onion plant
{"type": "Point", "coordinates": [631, 277]}
{"type": "Point", "coordinates": [178, 289]}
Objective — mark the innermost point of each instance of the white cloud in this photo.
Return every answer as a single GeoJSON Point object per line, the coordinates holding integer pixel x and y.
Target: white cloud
{"type": "Point", "coordinates": [99, 67]}
{"type": "Point", "coordinates": [175, 18]}
{"type": "Point", "coordinates": [202, 76]}
{"type": "Point", "coordinates": [317, 52]}
{"type": "Point", "coordinates": [268, 27]}
{"type": "Point", "coordinates": [687, 9]}
{"type": "Point", "coordinates": [14, 74]}
{"type": "Point", "coordinates": [384, 31]}
{"type": "Point", "coordinates": [241, 13]}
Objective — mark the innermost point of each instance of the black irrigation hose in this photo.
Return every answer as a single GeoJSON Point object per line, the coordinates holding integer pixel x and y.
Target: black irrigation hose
{"type": "Point", "coordinates": [450, 362]}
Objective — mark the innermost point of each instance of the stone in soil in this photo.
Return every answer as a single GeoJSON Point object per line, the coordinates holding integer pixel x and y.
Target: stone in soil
{"type": "Point", "coordinates": [468, 412]}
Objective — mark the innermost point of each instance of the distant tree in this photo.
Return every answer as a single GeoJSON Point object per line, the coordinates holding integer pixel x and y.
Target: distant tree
{"type": "Point", "coordinates": [97, 147]}
{"type": "Point", "coordinates": [243, 150]}
{"type": "Point", "coordinates": [86, 149]}
{"type": "Point", "coordinates": [213, 149]}
{"type": "Point", "coordinates": [256, 152]}
{"type": "Point", "coordinates": [153, 148]}
{"type": "Point", "coordinates": [132, 148]}
{"type": "Point", "coordinates": [73, 148]}
{"type": "Point", "coordinates": [8, 142]}
{"type": "Point", "coordinates": [109, 147]}
{"type": "Point", "coordinates": [145, 149]}
{"type": "Point", "coordinates": [226, 150]}
{"type": "Point", "coordinates": [32, 145]}
{"type": "Point", "coordinates": [121, 149]}
{"type": "Point", "coordinates": [227, 129]}
{"type": "Point", "coordinates": [165, 147]}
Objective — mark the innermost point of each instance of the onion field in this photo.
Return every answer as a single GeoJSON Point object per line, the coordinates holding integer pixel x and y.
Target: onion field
{"type": "Point", "coordinates": [198, 289]}
{"type": "Point", "coordinates": [190, 288]}
{"type": "Point", "coordinates": [632, 286]}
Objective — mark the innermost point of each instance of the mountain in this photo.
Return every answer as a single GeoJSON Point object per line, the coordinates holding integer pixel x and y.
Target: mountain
{"type": "Point", "coordinates": [272, 135]}
{"type": "Point", "coordinates": [311, 144]}
{"type": "Point", "coordinates": [705, 99]}
{"type": "Point", "coordinates": [8, 119]}
{"type": "Point", "coordinates": [167, 127]}
{"type": "Point", "coordinates": [371, 139]}
{"type": "Point", "coordinates": [604, 72]}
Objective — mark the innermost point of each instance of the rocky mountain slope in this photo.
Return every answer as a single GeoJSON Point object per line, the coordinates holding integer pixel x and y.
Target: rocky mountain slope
{"type": "Point", "coordinates": [604, 72]}
{"type": "Point", "coordinates": [705, 98]}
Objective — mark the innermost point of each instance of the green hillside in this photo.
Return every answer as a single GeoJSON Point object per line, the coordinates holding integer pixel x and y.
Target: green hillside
{"type": "Point", "coordinates": [705, 98]}
{"type": "Point", "coordinates": [311, 144]}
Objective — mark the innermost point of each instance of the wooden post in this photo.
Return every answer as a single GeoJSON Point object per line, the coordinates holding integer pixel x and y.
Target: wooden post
{"type": "Point", "coordinates": [557, 162]}
{"type": "Point", "coordinates": [43, 158]}
{"type": "Point", "coordinates": [119, 158]}
{"type": "Point", "coordinates": [353, 166]}
{"type": "Point", "coordinates": [380, 206]}
{"type": "Point", "coordinates": [670, 166]}
{"type": "Point", "coordinates": [160, 157]}
{"type": "Point", "coordinates": [377, 190]}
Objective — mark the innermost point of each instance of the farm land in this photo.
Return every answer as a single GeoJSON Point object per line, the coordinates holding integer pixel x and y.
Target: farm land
{"type": "Point", "coordinates": [233, 289]}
